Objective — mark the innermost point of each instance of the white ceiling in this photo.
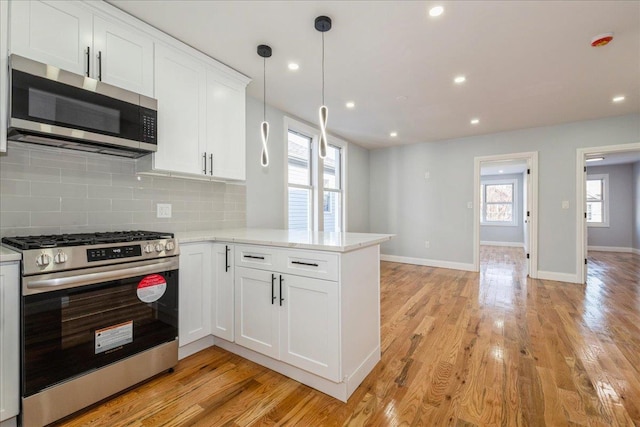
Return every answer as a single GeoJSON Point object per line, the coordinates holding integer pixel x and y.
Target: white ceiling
{"type": "Point", "coordinates": [527, 64]}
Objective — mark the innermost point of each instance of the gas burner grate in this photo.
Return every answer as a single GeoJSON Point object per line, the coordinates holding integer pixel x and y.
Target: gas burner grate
{"type": "Point", "coordinates": [80, 239]}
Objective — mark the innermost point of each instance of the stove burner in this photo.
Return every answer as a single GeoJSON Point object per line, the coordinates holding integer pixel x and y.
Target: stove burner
{"type": "Point", "coordinates": [60, 240]}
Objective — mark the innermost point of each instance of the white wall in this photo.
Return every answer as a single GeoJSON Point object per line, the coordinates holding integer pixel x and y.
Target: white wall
{"type": "Point", "coordinates": [636, 205]}
{"type": "Point", "coordinates": [404, 203]}
{"type": "Point", "coordinates": [513, 234]}
{"type": "Point", "coordinates": [265, 186]}
{"type": "Point", "coordinates": [619, 233]}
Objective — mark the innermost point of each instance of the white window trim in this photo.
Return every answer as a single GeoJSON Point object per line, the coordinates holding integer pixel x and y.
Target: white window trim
{"type": "Point", "coordinates": [605, 199]}
{"type": "Point", "coordinates": [317, 198]}
{"type": "Point", "coordinates": [515, 212]}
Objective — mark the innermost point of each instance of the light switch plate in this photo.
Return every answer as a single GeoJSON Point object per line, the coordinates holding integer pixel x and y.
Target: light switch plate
{"type": "Point", "coordinates": [565, 204]}
{"type": "Point", "coordinates": [164, 210]}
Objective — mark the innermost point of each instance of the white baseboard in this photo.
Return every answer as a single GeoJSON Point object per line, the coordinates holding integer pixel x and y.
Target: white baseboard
{"type": "Point", "coordinates": [635, 251]}
{"type": "Point", "coordinates": [558, 277]}
{"type": "Point", "coordinates": [610, 249]}
{"type": "Point", "coordinates": [507, 244]}
{"type": "Point", "coordinates": [194, 347]}
{"type": "Point", "coordinates": [428, 262]}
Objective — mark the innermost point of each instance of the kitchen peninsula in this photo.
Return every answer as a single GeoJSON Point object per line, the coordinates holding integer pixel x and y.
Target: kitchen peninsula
{"type": "Point", "coordinates": [305, 304]}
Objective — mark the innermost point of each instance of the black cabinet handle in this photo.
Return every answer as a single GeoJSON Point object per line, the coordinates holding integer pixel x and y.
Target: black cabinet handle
{"type": "Point", "coordinates": [281, 299]}
{"type": "Point", "coordinates": [88, 59]}
{"type": "Point", "coordinates": [273, 293]}
{"type": "Point", "coordinates": [204, 156]}
{"type": "Point", "coordinates": [226, 258]}
{"type": "Point", "coordinates": [100, 65]}
{"type": "Point", "coordinates": [312, 264]}
{"type": "Point", "coordinates": [210, 164]}
{"type": "Point", "coordinates": [253, 257]}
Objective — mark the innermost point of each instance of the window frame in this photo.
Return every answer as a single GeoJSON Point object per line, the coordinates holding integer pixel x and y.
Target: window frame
{"type": "Point", "coordinates": [317, 174]}
{"type": "Point", "coordinates": [605, 199]}
{"type": "Point", "coordinates": [514, 202]}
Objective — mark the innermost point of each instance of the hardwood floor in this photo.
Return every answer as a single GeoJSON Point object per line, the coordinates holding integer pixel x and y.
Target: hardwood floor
{"type": "Point", "coordinates": [459, 349]}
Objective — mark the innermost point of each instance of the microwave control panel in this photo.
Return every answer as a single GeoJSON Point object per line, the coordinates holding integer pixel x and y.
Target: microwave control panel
{"type": "Point", "coordinates": [149, 128]}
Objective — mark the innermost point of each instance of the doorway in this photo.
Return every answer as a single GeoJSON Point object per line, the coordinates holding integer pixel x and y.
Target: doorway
{"type": "Point", "coordinates": [497, 213]}
{"type": "Point", "coordinates": [605, 223]}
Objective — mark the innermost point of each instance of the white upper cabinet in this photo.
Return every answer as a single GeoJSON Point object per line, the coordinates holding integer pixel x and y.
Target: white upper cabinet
{"type": "Point", "coordinates": [225, 126]}
{"type": "Point", "coordinates": [58, 33]}
{"type": "Point", "coordinates": [124, 57]}
{"type": "Point", "coordinates": [180, 89]}
{"type": "Point", "coordinates": [70, 36]}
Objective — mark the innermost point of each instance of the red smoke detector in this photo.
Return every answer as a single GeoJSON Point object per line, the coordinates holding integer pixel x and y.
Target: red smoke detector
{"type": "Point", "coordinates": [601, 39]}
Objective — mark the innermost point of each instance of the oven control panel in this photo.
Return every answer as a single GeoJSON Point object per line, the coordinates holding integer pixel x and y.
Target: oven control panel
{"type": "Point", "coordinates": [102, 254]}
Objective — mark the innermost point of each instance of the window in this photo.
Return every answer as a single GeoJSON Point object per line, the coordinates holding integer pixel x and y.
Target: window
{"type": "Point", "coordinates": [315, 186]}
{"type": "Point", "coordinates": [497, 202]}
{"type": "Point", "coordinates": [597, 200]}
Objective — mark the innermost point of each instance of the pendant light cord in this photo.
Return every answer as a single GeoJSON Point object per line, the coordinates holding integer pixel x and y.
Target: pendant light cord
{"type": "Point", "coordinates": [264, 89]}
{"type": "Point", "coordinates": [323, 69]}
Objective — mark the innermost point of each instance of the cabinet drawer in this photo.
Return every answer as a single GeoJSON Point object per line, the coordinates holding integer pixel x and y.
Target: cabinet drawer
{"type": "Point", "coordinates": [311, 264]}
{"type": "Point", "coordinates": [256, 257]}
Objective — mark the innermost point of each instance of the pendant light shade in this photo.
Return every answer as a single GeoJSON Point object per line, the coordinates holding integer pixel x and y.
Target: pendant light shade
{"type": "Point", "coordinates": [323, 24]}
{"type": "Point", "coordinates": [265, 52]}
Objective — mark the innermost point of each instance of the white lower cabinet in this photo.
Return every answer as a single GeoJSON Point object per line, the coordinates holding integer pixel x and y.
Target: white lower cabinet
{"type": "Point", "coordinates": [194, 297]}
{"type": "Point", "coordinates": [289, 318]}
{"type": "Point", "coordinates": [222, 295]}
{"type": "Point", "coordinates": [9, 340]}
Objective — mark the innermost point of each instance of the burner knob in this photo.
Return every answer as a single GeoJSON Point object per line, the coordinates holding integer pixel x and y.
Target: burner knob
{"type": "Point", "coordinates": [43, 260]}
{"type": "Point", "coordinates": [170, 246]}
{"type": "Point", "coordinates": [148, 249]}
{"type": "Point", "coordinates": [159, 247]}
{"type": "Point", "coordinates": [60, 258]}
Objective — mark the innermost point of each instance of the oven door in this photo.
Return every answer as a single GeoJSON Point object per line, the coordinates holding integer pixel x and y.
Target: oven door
{"type": "Point", "coordinates": [75, 322]}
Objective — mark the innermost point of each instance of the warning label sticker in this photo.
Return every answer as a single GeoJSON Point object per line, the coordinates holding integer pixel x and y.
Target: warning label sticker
{"type": "Point", "coordinates": [151, 288]}
{"type": "Point", "coordinates": [113, 336]}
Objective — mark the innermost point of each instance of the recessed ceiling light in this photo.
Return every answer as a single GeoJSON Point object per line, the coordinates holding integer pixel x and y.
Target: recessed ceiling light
{"type": "Point", "coordinates": [500, 171]}
{"type": "Point", "coordinates": [618, 98]}
{"type": "Point", "coordinates": [293, 66]}
{"type": "Point", "coordinates": [401, 98]}
{"type": "Point", "coordinates": [595, 159]}
{"type": "Point", "coordinates": [350, 104]}
{"type": "Point", "coordinates": [436, 11]}
{"type": "Point", "coordinates": [460, 79]}
{"type": "Point", "coordinates": [475, 121]}
{"type": "Point", "coordinates": [393, 134]}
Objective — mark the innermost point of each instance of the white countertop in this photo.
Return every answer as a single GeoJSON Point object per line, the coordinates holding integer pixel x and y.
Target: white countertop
{"type": "Point", "coordinates": [322, 241]}
{"type": "Point", "coordinates": [7, 254]}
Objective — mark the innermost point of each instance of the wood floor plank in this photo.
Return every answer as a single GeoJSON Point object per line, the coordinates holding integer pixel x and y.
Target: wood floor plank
{"type": "Point", "coordinates": [458, 349]}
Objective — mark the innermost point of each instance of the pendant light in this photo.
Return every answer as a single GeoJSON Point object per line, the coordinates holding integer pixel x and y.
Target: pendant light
{"type": "Point", "coordinates": [323, 24]}
{"type": "Point", "coordinates": [265, 52]}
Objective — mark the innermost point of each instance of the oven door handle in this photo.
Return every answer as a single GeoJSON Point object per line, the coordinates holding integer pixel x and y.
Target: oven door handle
{"type": "Point", "coordinates": [102, 276]}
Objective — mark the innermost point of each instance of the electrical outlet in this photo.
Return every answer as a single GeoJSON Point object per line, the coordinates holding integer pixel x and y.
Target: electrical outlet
{"type": "Point", "coordinates": [427, 175]}
{"type": "Point", "coordinates": [469, 205]}
{"type": "Point", "coordinates": [565, 204]}
{"type": "Point", "coordinates": [164, 210]}
{"type": "Point", "coordinates": [427, 244]}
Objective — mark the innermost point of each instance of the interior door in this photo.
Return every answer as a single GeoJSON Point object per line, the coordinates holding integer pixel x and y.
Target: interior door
{"type": "Point", "coordinates": [526, 215]}
{"type": "Point", "coordinates": [585, 229]}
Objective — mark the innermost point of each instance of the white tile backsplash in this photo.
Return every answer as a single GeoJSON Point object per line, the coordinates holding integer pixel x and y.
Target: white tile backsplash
{"type": "Point", "coordinates": [48, 191]}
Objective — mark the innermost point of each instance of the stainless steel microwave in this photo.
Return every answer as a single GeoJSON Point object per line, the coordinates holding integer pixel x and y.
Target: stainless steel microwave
{"type": "Point", "coordinates": [50, 106]}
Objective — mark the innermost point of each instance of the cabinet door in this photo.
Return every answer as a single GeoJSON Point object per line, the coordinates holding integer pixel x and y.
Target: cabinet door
{"type": "Point", "coordinates": [4, 72]}
{"type": "Point", "coordinates": [9, 340]}
{"type": "Point", "coordinates": [309, 324]}
{"type": "Point", "coordinates": [126, 57]}
{"type": "Point", "coordinates": [226, 126]}
{"type": "Point", "coordinates": [180, 85]}
{"type": "Point", "coordinates": [256, 325]}
{"type": "Point", "coordinates": [57, 33]}
{"type": "Point", "coordinates": [194, 292]}
{"type": "Point", "coordinates": [222, 292]}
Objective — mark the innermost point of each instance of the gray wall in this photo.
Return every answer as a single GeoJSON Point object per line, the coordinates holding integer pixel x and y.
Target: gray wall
{"type": "Point", "coordinates": [506, 233]}
{"type": "Point", "coordinates": [265, 186]}
{"type": "Point", "coordinates": [636, 205]}
{"type": "Point", "coordinates": [619, 234]}
{"type": "Point", "coordinates": [52, 191]}
{"type": "Point", "coordinates": [404, 203]}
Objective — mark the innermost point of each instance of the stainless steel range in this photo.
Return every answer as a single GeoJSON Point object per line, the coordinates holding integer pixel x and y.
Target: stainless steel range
{"type": "Point", "coordinates": [99, 314]}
